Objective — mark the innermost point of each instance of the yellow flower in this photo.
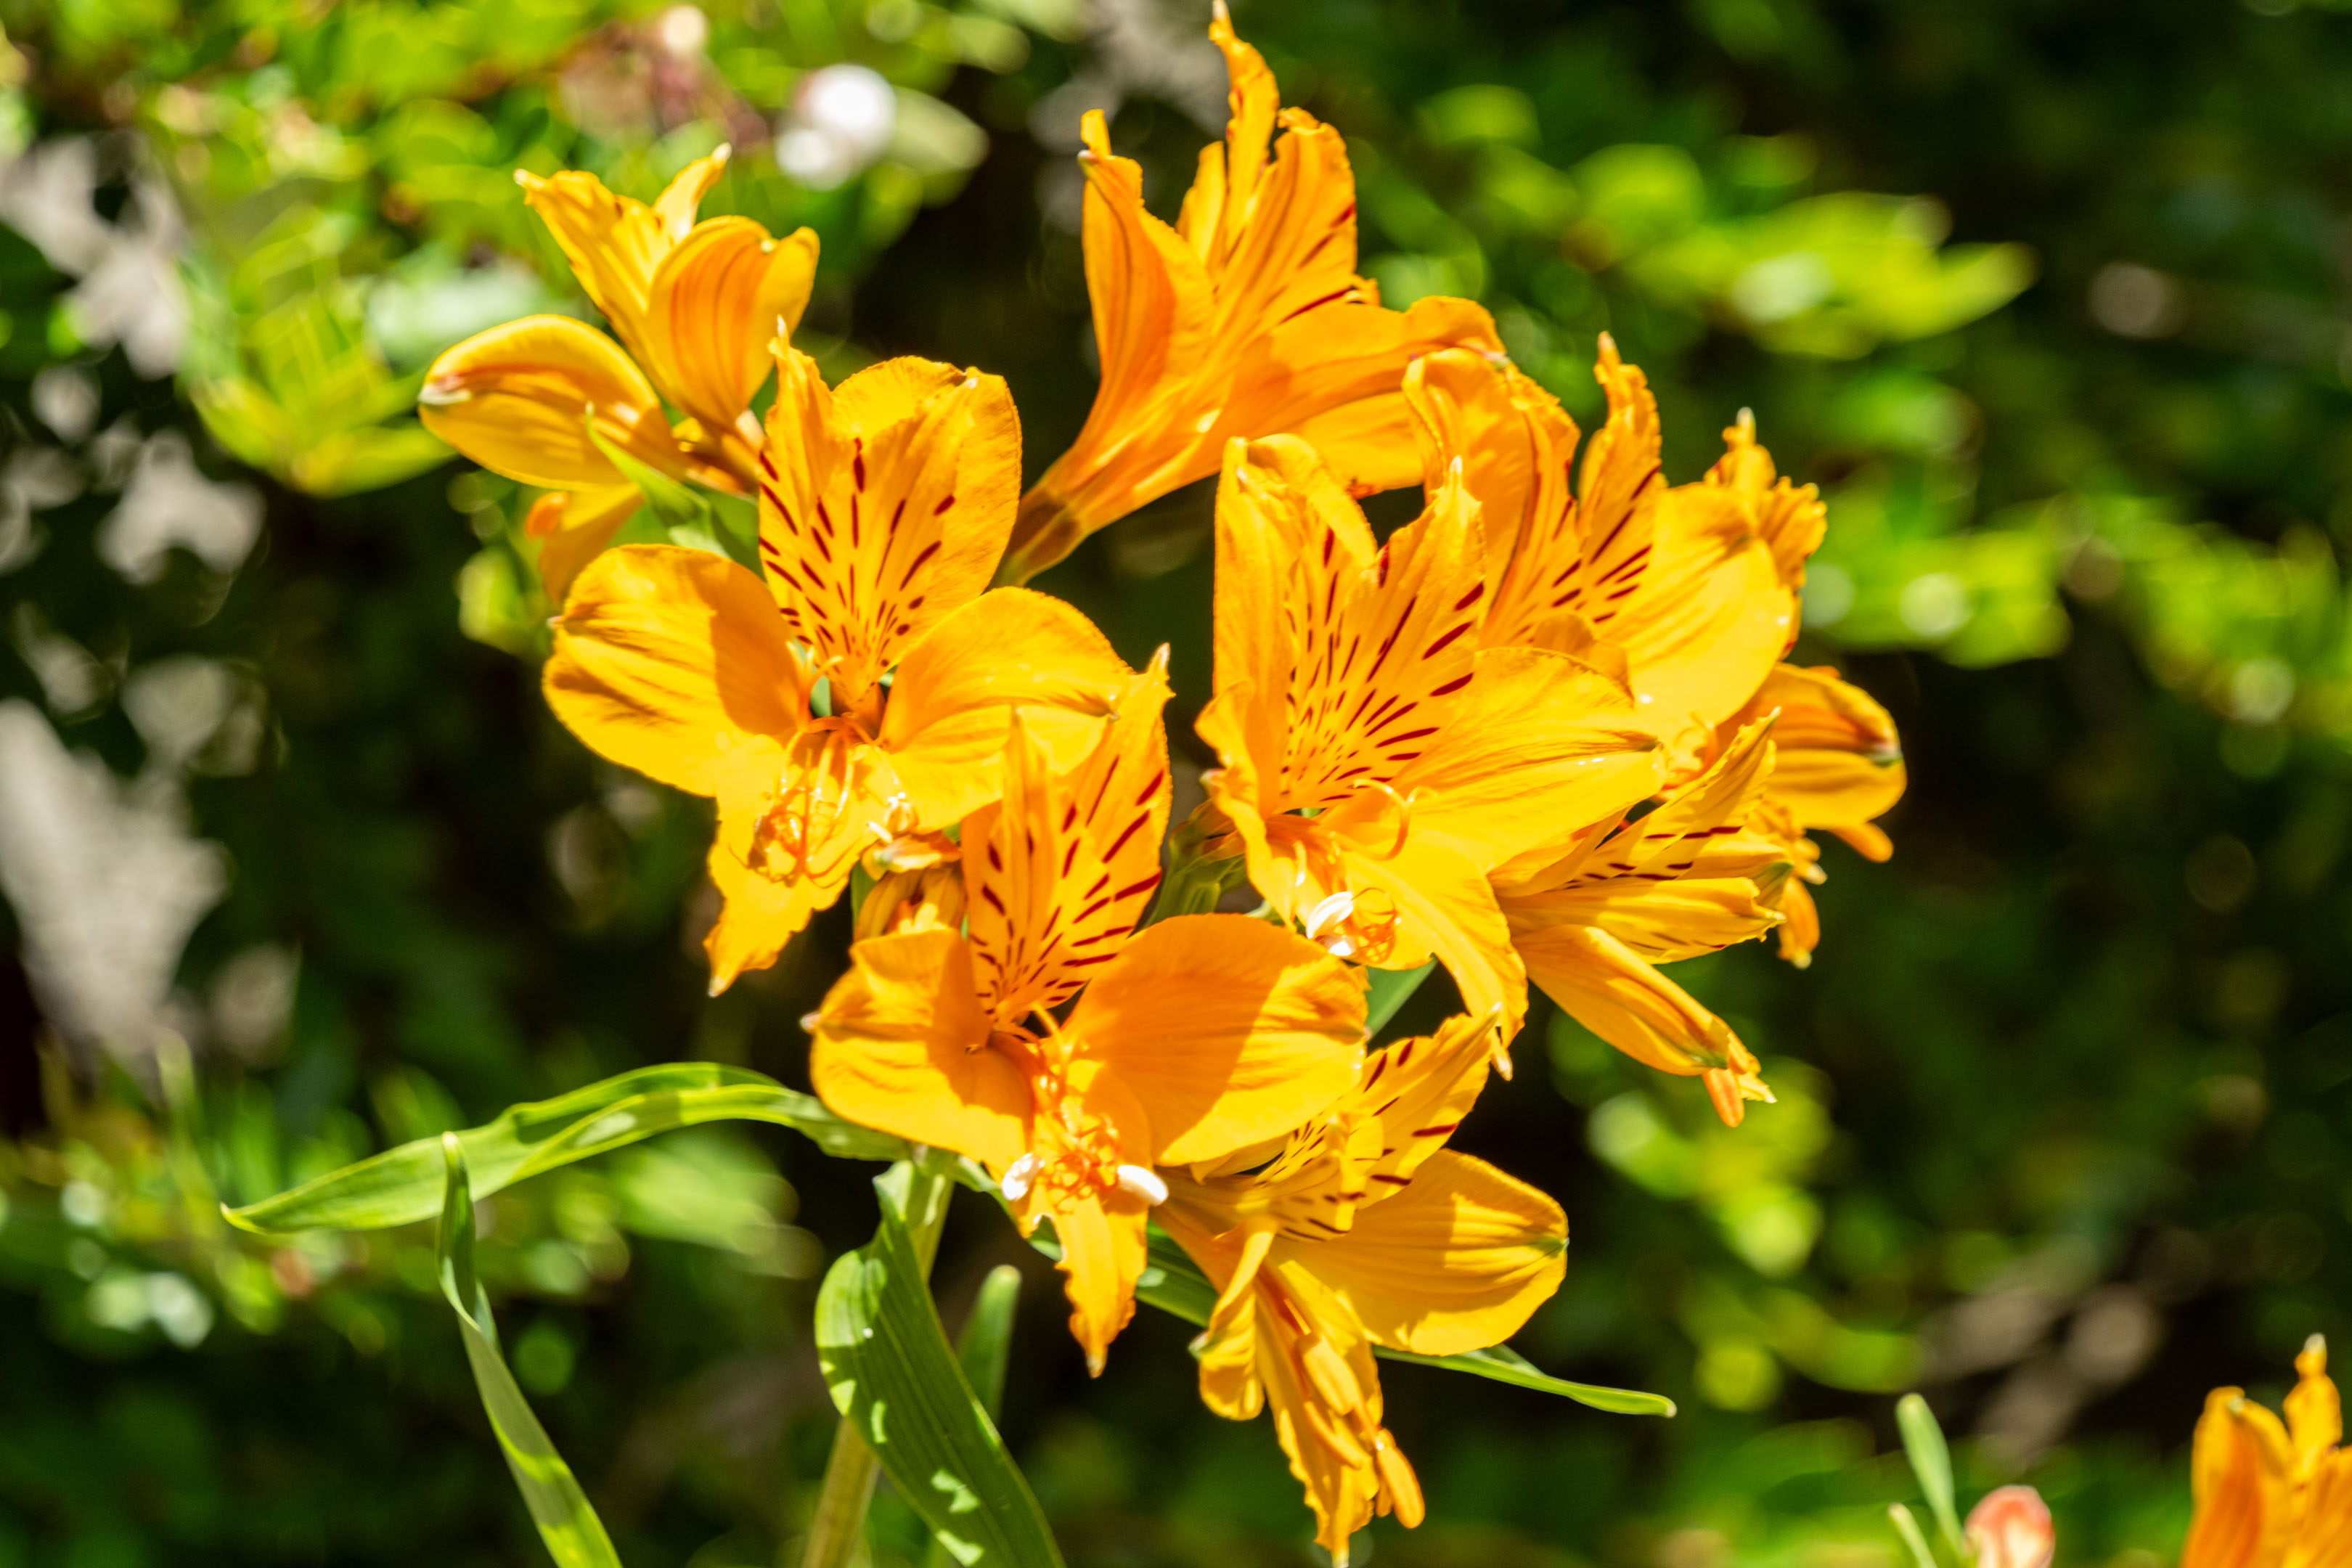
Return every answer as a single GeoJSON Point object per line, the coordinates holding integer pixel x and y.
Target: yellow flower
{"type": "Point", "coordinates": [1681, 585]}
{"type": "Point", "coordinates": [1362, 1229]}
{"type": "Point", "coordinates": [1688, 878]}
{"type": "Point", "coordinates": [2267, 1495]}
{"type": "Point", "coordinates": [1245, 319]}
{"type": "Point", "coordinates": [883, 506]}
{"type": "Point", "coordinates": [696, 305]}
{"type": "Point", "coordinates": [1377, 764]}
{"type": "Point", "coordinates": [1203, 1035]}
{"type": "Point", "coordinates": [1687, 593]}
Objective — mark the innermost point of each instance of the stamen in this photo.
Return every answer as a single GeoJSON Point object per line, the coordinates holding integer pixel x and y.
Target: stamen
{"type": "Point", "coordinates": [1404, 805]}
{"type": "Point", "coordinates": [1332, 912]}
{"type": "Point", "coordinates": [1143, 1184]}
{"type": "Point", "coordinates": [1020, 1173]}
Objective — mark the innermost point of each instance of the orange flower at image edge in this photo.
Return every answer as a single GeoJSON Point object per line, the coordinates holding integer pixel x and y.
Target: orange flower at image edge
{"type": "Point", "coordinates": [2270, 1494]}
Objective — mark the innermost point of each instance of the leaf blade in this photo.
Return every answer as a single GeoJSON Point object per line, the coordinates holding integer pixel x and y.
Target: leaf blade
{"type": "Point", "coordinates": [403, 1185]}
{"type": "Point", "coordinates": [575, 1537]}
{"type": "Point", "coordinates": [889, 1367]}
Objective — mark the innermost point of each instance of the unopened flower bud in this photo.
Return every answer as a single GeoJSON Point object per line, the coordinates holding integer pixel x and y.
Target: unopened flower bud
{"type": "Point", "coordinates": [2010, 1528]}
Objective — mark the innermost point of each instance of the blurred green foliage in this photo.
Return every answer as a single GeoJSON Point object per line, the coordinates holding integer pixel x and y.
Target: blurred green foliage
{"type": "Point", "coordinates": [2049, 301]}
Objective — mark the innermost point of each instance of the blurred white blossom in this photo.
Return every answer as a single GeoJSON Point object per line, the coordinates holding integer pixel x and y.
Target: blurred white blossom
{"type": "Point", "coordinates": [842, 117]}
{"type": "Point", "coordinates": [130, 291]}
{"type": "Point", "coordinates": [169, 503]}
{"type": "Point", "coordinates": [106, 881]}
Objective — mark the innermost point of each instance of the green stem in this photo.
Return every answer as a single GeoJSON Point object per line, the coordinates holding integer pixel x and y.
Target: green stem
{"type": "Point", "coordinates": [919, 1190]}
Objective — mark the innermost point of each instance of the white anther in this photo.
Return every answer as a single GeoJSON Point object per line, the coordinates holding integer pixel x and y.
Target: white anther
{"type": "Point", "coordinates": [809, 1021]}
{"type": "Point", "coordinates": [1330, 913]}
{"type": "Point", "coordinates": [1018, 1177]}
{"type": "Point", "coordinates": [1143, 1184]}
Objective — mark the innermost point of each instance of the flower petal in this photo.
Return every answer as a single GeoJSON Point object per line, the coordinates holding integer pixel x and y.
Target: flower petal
{"type": "Point", "coordinates": [1709, 617]}
{"type": "Point", "coordinates": [1062, 868]}
{"type": "Point", "coordinates": [2238, 1476]}
{"type": "Point", "coordinates": [716, 302]}
{"type": "Point", "coordinates": [898, 1046]}
{"type": "Point", "coordinates": [574, 527]}
{"type": "Point", "coordinates": [1456, 1261]}
{"type": "Point", "coordinates": [952, 701]}
{"type": "Point", "coordinates": [1151, 300]}
{"type": "Point", "coordinates": [518, 400]}
{"type": "Point", "coordinates": [1299, 377]}
{"type": "Point", "coordinates": [1602, 984]}
{"type": "Point", "coordinates": [1839, 763]}
{"type": "Point", "coordinates": [1660, 921]}
{"type": "Point", "coordinates": [1790, 520]}
{"type": "Point", "coordinates": [615, 243]}
{"type": "Point", "coordinates": [1230, 1029]}
{"type": "Point", "coordinates": [1536, 748]}
{"type": "Point", "coordinates": [674, 662]}
{"type": "Point", "coordinates": [1103, 1254]}
{"type": "Point", "coordinates": [758, 914]}
{"type": "Point", "coordinates": [883, 506]}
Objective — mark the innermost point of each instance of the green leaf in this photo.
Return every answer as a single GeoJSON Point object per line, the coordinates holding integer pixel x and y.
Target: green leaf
{"type": "Point", "coordinates": [984, 1349]}
{"type": "Point", "coordinates": [574, 1535]}
{"type": "Point", "coordinates": [1931, 1461]}
{"type": "Point", "coordinates": [1389, 990]}
{"type": "Point", "coordinates": [1174, 1283]}
{"type": "Point", "coordinates": [894, 1379]}
{"type": "Point", "coordinates": [1505, 1364]}
{"type": "Point", "coordinates": [401, 1185]}
{"type": "Point", "coordinates": [687, 516]}
{"type": "Point", "coordinates": [1908, 1528]}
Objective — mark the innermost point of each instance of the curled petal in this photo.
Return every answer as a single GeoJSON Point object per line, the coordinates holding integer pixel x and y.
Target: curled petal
{"type": "Point", "coordinates": [615, 243]}
{"type": "Point", "coordinates": [716, 303]}
{"type": "Point", "coordinates": [517, 399]}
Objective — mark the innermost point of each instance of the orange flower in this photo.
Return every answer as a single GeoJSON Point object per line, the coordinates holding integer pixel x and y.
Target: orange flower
{"type": "Point", "coordinates": [1362, 1229]}
{"type": "Point", "coordinates": [696, 305]}
{"type": "Point", "coordinates": [2268, 1495]}
{"type": "Point", "coordinates": [1246, 319]}
{"type": "Point", "coordinates": [1689, 595]}
{"type": "Point", "coordinates": [1682, 584]}
{"type": "Point", "coordinates": [1203, 1035]}
{"type": "Point", "coordinates": [883, 506]}
{"type": "Point", "coordinates": [1378, 764]}
{"type": "Point", "coordinates": [1682, 880]}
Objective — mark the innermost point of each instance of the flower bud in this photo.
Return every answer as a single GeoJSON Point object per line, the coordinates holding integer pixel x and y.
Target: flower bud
{"type": "Point", "coordinates": [2012, 1529]}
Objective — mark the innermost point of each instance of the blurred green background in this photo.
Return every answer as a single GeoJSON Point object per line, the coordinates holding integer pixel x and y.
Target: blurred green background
{"type": "Point", "coordinates": [2052, 299]}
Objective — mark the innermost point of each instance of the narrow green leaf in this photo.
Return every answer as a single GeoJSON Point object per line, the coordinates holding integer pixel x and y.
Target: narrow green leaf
{"type": "Point", "coordinates": [887, 1362]}
{"type": "Point", "coordinates": [1389, 990]}
{"type": "Point", "coordinates": [403, 1185]}
{"type": "Point", "coordinates": [1174, 1283]}
{"type": "Point", "coordinates": [1908, 1528]}
{"type": "Point", "coordinates": [1931, 1461]}
{"type": "Point", "coordinates": [985, 1349]}
{"type": "Point", "coordinates": [574, 1535]}
{"type": "Point", "coordinates": [1505, 1364]}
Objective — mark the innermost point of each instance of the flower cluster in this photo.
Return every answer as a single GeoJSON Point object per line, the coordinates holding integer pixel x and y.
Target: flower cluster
{"type": "Point", "coordinates": [1541, 734]}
